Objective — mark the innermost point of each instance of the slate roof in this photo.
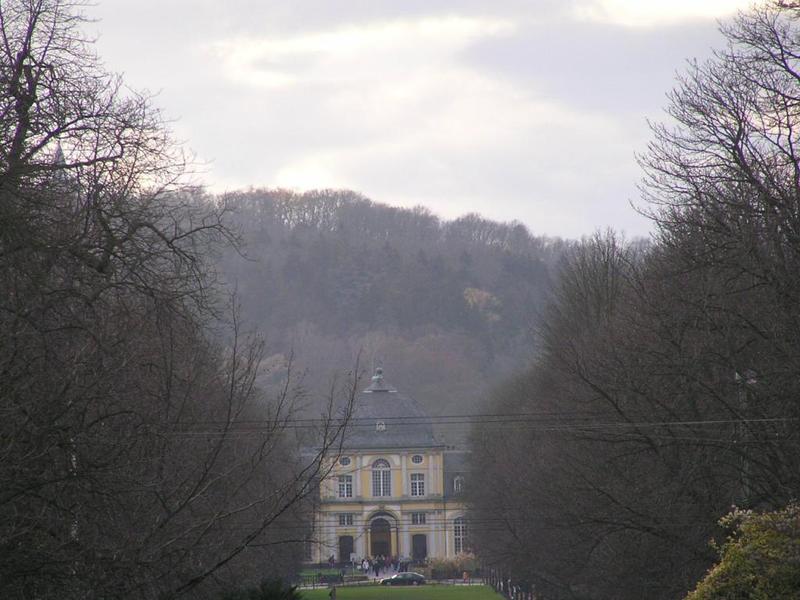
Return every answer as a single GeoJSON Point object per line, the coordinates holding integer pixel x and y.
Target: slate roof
{"type": "Point", "coordinates": [455, 465]}
{"type": "Point", "coordinates": [385, 418]}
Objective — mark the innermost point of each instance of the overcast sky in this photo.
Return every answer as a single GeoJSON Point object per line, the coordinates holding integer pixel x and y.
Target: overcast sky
{"type": "Point", "coordinates": [528, 110]}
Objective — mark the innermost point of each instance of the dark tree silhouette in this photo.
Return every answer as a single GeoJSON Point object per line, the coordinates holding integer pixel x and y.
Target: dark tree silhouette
{"type": "Point", "coordinates": [669, 375]}
{"type": "Point", "coordinates": [126, 468]}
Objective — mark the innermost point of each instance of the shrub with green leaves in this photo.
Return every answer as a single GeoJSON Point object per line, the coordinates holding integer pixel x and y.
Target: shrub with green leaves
{"type": "Point", "coordinates": [759, 561]}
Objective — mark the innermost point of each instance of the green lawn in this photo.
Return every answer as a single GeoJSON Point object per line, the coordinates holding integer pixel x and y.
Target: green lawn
{"type": "Point", "coordinates": [424, 592]}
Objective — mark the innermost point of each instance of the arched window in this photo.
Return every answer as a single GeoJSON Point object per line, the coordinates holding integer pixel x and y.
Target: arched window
{"type": "Point", "coordinates": [381, 478]}
{"type": "Point", "coordinates": [460, 535]}
{"type": "Point", "coordinates": [458, 484]}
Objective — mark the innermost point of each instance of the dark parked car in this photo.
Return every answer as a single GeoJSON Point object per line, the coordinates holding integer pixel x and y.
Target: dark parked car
{"type": "Point", "coordinates": [404, 579]}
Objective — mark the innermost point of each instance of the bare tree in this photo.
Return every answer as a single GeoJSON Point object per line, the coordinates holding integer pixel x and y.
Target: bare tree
{"type": "Point", "coordinates": [138, 458]}
{"type": "Point", "coordinates": [670, 377]}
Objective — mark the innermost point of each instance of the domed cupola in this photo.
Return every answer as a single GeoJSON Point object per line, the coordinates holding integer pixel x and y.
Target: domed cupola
{"type": "Point", "coordinates": [386, 418]}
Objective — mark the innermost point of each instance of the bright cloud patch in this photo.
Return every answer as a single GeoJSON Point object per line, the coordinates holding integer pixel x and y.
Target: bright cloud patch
{"type": "Point", "coordinates": [379, 51]}
{"type": "Point", "coordinates": [394, 110]}
{"type": "Point", "coordinates": [639, 13]}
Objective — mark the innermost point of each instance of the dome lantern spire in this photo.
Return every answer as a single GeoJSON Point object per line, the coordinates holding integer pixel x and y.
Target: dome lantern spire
{"type": "Point", "coordinates": [378, 384]}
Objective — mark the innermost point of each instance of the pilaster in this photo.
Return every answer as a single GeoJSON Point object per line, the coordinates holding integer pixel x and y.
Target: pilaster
{"type": "Point", "coordinates": [404, 470]}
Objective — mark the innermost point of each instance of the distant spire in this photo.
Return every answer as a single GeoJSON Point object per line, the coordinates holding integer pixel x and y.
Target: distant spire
{"type": "Point", "coordinates": [59, 164]}
{"type": "Point", "coordinates": [58, 156]}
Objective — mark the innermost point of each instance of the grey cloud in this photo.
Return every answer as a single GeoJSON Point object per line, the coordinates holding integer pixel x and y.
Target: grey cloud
{"type": "Point", "coordinates": [615, 73]}
{"type": "Point", "coordinates": [595, 66]}
{"type": "Point", "coordinates": [188, 19]}
{"type": "Point", "coordinates": [311, 15]}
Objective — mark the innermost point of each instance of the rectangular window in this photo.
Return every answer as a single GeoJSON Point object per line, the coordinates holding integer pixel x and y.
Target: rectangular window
{"type": "Point", "coordinates": [417, 484]}
{"type": "Point", "coordinates": [345, 486]}
{"type": "Point", "coordinates": [345, 519]}
{"type": "Point", "coordinates": [418, 518]}
{"type": "Point", "coordinates": [459, 535]}
{"type": "Point", "coordinates": [381, 478]}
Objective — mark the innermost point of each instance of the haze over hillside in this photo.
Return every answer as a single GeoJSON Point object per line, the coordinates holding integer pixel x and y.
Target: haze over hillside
{"type": "Point", "coordinates": [448, 308]}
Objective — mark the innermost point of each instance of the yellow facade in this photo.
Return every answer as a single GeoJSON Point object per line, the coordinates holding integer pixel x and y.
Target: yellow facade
{"type": "Point", "coordinates": [394, 490]}
{"type": "Point", "coordinates": [420, 507]}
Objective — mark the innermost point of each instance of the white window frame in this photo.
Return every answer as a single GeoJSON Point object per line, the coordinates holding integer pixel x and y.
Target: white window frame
{"type": "Point", "coordinates": [345, 486]}
{"type": "Point", "coordinates": [381, 478]}
{"type": "Point", "coordinates": [345, 519]}
{"type": "Point", "coordinates": [459, 534]}
{"type": "Point", "coordinates": [418, 484]}
{"type": "Point", "coordinates": [418, 518]}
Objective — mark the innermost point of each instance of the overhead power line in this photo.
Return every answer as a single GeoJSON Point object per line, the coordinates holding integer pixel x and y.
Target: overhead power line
{"type": "Point", "coordinates": [563, 422]}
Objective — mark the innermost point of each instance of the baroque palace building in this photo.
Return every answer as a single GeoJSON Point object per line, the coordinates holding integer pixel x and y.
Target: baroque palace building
{"type": "Point", "coordinates": [394, 490]}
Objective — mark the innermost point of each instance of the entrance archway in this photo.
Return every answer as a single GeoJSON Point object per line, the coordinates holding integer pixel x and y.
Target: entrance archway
{"type": "Point", "coordinates": [380, 535]}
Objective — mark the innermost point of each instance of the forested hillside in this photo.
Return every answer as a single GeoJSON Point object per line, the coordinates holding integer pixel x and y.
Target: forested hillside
{"type": "Point", "coordinates": [447, 307]}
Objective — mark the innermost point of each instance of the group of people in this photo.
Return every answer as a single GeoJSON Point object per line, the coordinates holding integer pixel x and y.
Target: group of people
{"type": "Point", "coordinates": [381, 564]}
